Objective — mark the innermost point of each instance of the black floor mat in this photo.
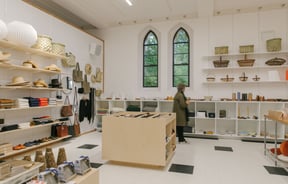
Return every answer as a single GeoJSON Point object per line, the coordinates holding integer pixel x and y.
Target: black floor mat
{"type": "Point", "coordinates": [276, 170]}
{"type": "Point", "coordinates": [223, 148]}
{"type": "Point", "coordinates": [185, 169]}
{"type": "Point", "coordinates": [88, 146]}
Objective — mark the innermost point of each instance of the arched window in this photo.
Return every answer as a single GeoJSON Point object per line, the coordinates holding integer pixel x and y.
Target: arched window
{"type": "Point", "coordinates": [150, 60]}
{"type": "Point", "coordinates": [181, 58]}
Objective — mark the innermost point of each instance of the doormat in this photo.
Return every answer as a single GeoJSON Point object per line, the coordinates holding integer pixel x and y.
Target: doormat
{"type": "Point", "coordinates": [276, 170]}
{"type": "Point", "coordinates": [185, 169]}
{"type": "Point", "coordinates": [95, 165]}
{"type": "Point", "coordinates": [87, 146]}
{"type": "Point", "coordinates": [223, 148]}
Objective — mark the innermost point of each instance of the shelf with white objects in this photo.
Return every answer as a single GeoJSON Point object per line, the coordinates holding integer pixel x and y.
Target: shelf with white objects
{"type": "Point", "coordinates": [28, 50]}
{"type": "Point", "coordinates": [247, 82]}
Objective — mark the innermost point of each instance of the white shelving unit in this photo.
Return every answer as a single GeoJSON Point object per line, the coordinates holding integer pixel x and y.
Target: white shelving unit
{"type": "Point", "coordinates": [234, 70]}
{"type": "Point", "coordinates": [244, 119]}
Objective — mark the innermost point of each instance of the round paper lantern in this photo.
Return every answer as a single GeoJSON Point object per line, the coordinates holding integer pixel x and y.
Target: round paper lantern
{"type": "Point", "coordinates": [284, 148]}
{"type": "Point", "coordinates": [21, 33]}
{"type": "Point", "coordinates": [3, 30]}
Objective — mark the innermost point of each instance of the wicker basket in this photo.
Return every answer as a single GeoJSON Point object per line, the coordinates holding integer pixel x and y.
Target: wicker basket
{"type": "Point", "coordinates": [246, 48]}
{"type": "Point", "coordinates": [227, 79]}
{"type": "Point", "coordinates": [43, 43]}
{"type": "Point", "coordinates": [246, 62]}
{"type": "Point", "coordinates": [58, 48]}
{"type": "Point", "coordinates": [221, 50]}
{"type": "Point", "coordinates": [275, 61]}
{"type": "Point", "coordinates": [221, 63]}
{"type": "Point", "coordinates": [273, 45]}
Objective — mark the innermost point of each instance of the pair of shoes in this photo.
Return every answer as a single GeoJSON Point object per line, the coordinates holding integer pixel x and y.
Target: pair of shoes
{"type": "Point", "coordinates": [184, 142]}
{"type": "Point", "coordinates": [19, 147]}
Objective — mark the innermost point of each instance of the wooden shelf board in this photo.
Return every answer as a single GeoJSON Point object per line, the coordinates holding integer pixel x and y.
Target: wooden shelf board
{"type": "Point", "coordinates": [19, 152]}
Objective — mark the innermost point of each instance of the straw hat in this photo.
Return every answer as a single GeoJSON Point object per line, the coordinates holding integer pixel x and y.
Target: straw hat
{"type": "Point", "coordinates": [18, 81]}
{"type": "Point", "coordinates": [88, 69]}
{"type": "Point", "coordinates": [30, 63]}
{"type": "Point", "coordinates": [53, 67]}
{"type": "Point", "coordinates": [40, 83]}
{"type": "Point", "coordinates": [4, 55]}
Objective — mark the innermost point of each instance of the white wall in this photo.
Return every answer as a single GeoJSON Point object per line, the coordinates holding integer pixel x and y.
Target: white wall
{"type": "Point", "coordinates": [75, 40]}
{"type": "Point", "coordinates": [123, 56]}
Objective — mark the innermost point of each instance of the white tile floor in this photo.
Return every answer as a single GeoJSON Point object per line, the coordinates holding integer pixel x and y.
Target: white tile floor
{"type": "Point", "coordinates": [243, 165]}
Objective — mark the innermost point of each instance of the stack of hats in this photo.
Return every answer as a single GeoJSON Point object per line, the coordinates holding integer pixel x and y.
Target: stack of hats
{"type": "Point", "coordinates": [7, 103]}
{"type": "Point", "coordinates": [18, 81]}
{"type": "Point", "coordinates": [33, 102]}
{"type": "Point", "coordinates": [52, 101]}
{"type": "Point", "coordinates": [43, 101]}
{"type": "Point", "coordinates": [53, 67]}
{"type": "Point", "coordinates": [22, 103]}
{"type": "Point", "coordinates": [55, 83]}
{"type": "Point", "coordinates": [40, 83]}
{"type": "Point", "coordinates": [29, 64]}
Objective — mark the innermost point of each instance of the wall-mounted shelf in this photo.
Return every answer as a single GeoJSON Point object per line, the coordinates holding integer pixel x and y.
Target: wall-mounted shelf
{"type": "Point", "coordinates": [10, 45]}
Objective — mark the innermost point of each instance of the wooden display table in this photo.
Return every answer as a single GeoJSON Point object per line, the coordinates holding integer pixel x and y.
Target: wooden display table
{"type": "Point", "coordinates": [139, 137]}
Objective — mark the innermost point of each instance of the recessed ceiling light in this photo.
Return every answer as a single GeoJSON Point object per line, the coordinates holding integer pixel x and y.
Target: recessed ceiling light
{"type": "Point", "coordinates": [129, 2]}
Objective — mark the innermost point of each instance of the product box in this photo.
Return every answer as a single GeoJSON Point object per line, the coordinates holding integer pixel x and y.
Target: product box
{"type": "Point", "coordinates": [82, 165]}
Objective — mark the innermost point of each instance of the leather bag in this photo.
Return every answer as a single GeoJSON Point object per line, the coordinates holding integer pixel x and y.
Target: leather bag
{"type": "Point", "coordinates": [67, 109]}
{"type": "Point", "coordinates": [77, 74]}
{"type": "Point", "coordinates": [62, 130]}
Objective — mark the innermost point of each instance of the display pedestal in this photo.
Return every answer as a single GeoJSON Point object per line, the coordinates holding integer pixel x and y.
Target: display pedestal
{"type": "Point", "coordinates": [139, 137]}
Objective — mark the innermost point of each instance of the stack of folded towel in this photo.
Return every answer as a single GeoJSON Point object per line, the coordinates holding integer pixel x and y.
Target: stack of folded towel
{"type": "Point", "coordinates": [52, 101]}
{"type": "Point", "coordinates": [43, 101]}
{"type": "Point", "coordinates": [33, 102]}
{"type": "Point", "coordinates": [7, 103]}
{"type": "Point", "coordinates": [22, 103]}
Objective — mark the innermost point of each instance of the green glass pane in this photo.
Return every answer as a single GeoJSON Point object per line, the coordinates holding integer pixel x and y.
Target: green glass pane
{"type": "Point", "coordinates": [150, 60]}
{"type": "Point", "coordinates": [150, 71]}
{"type": "Point", "coordinates": [181, 36]}
{"type": "Point", "coordinates": [150, 50]}
{"type": "Point", "coordinates": [150, 82]}
{"type": "Point", "coordinates": [181, 48]}
{"type": "Point", "coordinates": [181, 70]}
{"type": "Point", "coordinates": [150, 39]}
{"type": "Point", "coordinates": [180, 79]}
{"type": "Point", "coordinates": [181, 59]}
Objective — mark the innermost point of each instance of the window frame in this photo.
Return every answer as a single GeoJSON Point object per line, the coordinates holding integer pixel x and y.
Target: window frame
{"type": "Point", "coordinates": [143, 59]}
{"type": "Point", "coordinates": [173, 57]}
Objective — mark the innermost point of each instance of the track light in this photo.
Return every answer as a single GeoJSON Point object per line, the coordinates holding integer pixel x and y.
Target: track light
{"type": "Point", "coordinates": [129, 2]}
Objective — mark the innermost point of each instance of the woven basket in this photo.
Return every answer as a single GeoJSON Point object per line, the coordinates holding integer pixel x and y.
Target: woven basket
{"type": "Point", "coordinates": [43, 43]}
{"type": "Point", "coordinates": [246, 48]}
{"type": "Point", "coordinates": [58, 48]}
{"type": "Point", "coordinates": [246, 62]}
{"type": "Point", "coordinates": [220, 63]}
{"type": "Point", "coordinates": [221, 50]}
{"type": "Point", "coordinates": [273, 45]}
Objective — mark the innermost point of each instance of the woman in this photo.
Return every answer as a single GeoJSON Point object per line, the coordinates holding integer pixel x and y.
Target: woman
{"type": "Point", "coordinates": [180, 108]}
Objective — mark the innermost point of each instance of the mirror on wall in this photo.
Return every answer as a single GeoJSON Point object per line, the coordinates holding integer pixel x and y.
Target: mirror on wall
{"type": "Point", "coordinates": [67, 85]}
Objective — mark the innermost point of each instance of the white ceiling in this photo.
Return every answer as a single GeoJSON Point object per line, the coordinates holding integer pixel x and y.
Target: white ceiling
{"type": "Point", "coordinates": [107, 13]}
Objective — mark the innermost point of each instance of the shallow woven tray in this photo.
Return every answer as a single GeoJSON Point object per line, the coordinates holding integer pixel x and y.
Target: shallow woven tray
{"type": "Point", "coordinates": [275, 61]}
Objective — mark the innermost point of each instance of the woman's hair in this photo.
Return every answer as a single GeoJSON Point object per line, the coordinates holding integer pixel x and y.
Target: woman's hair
{"type": "Point", "coordinates": [180, 87]}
